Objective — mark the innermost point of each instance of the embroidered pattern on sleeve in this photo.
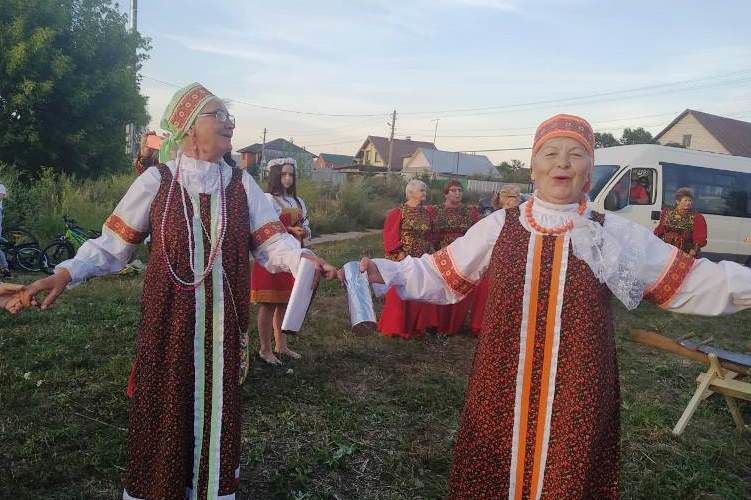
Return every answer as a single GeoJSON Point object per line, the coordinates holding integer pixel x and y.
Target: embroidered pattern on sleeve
{"type": "Point", "coordinates": [445, 264]}
{"type": "Point", "coordinates": [665, 288]}
{"type": "Point", "coordinates": [123, 231]}
{"type": "Point", "coordinates": [264, 233]}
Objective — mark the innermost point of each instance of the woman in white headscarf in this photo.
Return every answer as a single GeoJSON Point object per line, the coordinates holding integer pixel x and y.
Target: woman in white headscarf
{"type": "Point", "coordinates": [204, 218]}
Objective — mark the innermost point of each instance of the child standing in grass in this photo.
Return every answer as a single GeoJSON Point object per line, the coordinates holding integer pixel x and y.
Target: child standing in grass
{"type": "Point", "coordinates": [272, 291]}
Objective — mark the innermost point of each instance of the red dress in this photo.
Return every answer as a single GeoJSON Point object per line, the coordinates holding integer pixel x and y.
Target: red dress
{"type": "Point", "coordinates": [450, 224]}
{"type": "Point", "coordinates": [406, 231]}
{"type": "Point", "coordinates": [274, 288]}
{"type": "Point", "coordinates": [684, 230]}
{"type": "Point", "coordinates": [541, 409]}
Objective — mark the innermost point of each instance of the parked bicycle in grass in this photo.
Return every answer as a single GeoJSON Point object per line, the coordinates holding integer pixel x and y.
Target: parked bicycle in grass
{"type": "Point", "coordinates": [22, 252]}
{"type": "Point", "coordinates": [65, 245]}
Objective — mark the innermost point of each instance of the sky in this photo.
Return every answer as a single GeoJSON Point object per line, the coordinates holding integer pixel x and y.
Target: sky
{"type": "Point", "coordinates": [486, 72]}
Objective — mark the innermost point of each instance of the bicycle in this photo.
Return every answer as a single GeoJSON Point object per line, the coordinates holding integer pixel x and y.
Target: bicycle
{"type": "Point", "coordinates": [65, 245]}
{"type": "Point", "coordinates": [25, 256]}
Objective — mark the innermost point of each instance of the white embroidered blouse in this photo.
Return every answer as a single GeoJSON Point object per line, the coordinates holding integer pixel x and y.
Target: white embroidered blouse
{"type": "Point", "coordinates": [274, 248]}
{"type": "Point", "coordinates": [624, 255]}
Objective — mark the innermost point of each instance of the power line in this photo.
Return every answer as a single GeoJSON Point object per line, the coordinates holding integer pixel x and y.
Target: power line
{"type": "Point", "coordinates": [273, 108]}
{"type": "Point", "coordinates": [494, 109]}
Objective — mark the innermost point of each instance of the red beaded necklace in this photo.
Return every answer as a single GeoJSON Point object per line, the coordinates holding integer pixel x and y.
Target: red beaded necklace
{"type": "Point", "coordinates": [559, 229]}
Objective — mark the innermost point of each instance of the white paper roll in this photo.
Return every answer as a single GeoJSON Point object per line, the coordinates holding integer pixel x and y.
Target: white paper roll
{"type": "Point", "coordinates": [300, 297]}
{"type": "Point", "coordinates": [361, 312]}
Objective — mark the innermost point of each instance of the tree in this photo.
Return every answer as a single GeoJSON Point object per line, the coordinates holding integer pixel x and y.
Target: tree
{"type": "Point", "coordinates": [605, 140]}
{"type": "Point", "coordinates": [68, 85]}
{"type": "Point", "coordinates": [637, 136]}
{"type": "Point", "coordinates": [514, 171]}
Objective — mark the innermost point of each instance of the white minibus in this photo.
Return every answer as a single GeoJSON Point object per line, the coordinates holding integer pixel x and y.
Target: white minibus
{"type": "Point", "coordinates": [721, 185]}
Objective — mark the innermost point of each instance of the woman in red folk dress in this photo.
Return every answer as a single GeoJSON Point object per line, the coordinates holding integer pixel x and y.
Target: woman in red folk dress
{"type": "Point", "coordinates": [541, 415]}
{"type": "Point", "coordinates": [508, 197]}
{"type": "Point", "coordinates": [205, 218]}
{"type": "Point", "coordinates": [682, 226]}
{"type": "Point", "coordinates": [452, 220]}
{"type": "Point", "coordinates": [272, 291]}
{"type": "Point", "coordinates": [406, 233]}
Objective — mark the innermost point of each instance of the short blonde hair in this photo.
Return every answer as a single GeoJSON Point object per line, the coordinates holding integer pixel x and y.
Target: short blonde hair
{"type": "Point", "coordinates": [506, 191]}
{"type": "Point", "coordinates": [414, 184]}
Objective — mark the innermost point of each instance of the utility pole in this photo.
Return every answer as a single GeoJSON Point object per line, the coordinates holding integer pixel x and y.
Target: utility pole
{"type": "Point", "coordinates": [435, 134]}
{"type": "Point", "coordinates": [130, 129]}
{"type": "Point", "coordinates": [263, 155]}
{"type": "Point", "coordinates": [391, 140]}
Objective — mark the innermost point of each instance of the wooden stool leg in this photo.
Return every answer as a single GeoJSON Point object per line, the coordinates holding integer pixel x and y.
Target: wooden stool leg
{"type": "Point", "coordinates": [735, 412]}
{"type": "Point", "coordinates": [693, 404]}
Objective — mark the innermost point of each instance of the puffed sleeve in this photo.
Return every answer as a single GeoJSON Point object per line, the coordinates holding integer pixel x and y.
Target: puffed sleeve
{"type": "Point", "coordinates": [124, 229]}
{"type": "Point", "coordinates": [392, 241]}
{"type": "Point", "coordinates": [305, 219]}
{"type": "Point", "coordinates": [271, 245]}
{"type": "Point", "coordinates": [700, 231]}
{"type": "Point", "coordinates": [448, 275]}
{"type": "Point", "coordinates": [674, 280]}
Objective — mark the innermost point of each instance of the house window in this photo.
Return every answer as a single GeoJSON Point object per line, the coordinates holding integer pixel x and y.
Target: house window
{"type": "Point", "coordinates": [367, 157]}
{"type": "Point", "coordinates": [686, 141]}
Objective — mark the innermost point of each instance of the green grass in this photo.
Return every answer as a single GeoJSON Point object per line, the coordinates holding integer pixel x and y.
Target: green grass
{"type": "Point", "coordinates": [357, 417]}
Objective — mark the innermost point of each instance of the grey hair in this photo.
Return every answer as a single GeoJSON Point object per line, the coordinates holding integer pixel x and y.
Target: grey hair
{"type": "Point", "coordinates": [412, 185]}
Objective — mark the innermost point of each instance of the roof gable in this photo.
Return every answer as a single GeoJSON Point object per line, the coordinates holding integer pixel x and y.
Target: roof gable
{"type": "Point", "coordinates": [449, 162]}
{"type": "Point", "coordinates": [734, 135]}
{"type": "Point", "coordinates": [402, 149]}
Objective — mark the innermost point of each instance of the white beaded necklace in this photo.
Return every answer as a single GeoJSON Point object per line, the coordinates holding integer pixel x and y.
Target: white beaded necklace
{"type": "Point", "coordinates": [216, 245]}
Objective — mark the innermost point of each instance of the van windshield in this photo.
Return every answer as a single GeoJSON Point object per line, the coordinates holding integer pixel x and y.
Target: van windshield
{"type": "Point", "coordinates": [600, 176]}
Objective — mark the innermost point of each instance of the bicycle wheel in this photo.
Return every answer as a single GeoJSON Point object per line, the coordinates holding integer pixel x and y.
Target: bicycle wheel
{"type": "Point", "coordinates": [29, 258]}
{"type": "Point", "coordinates": [57, 252]}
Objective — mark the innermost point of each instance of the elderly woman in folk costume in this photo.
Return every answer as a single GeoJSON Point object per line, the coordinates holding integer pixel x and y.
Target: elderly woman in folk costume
{"type": "Point", "coordinates": [541, 412]}
{"type": "Point", "coordinates": [204, 218]}
{"type": "Point", "coordinates": [509, 196]}
{"type": "Point", "coordinates": [682, 226]}
{"type": "Point", "coordinates": [451, 220]}
{"type": "Point", "coordinates": [408, 231]}
{"type": "Point", "coordinates": [272, 291]}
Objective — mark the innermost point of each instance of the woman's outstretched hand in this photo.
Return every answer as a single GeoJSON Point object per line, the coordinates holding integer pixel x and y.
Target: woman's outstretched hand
{"type": "Point", "coordinates": [54, 285]}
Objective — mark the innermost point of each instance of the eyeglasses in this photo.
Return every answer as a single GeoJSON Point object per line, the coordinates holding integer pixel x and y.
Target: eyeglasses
{"type": "Point", "coordinates": [221, 115]}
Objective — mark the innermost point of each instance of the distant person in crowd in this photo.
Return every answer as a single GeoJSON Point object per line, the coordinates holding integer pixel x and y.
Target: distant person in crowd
{"type": "Point", "coordinates": [408, 232]}
{"type": "Point", "coordinates": [205, 218]}
{"type": "Point", "coordinates": [682, 226]}
{"type": "Point", "coordinates": [271, 291]}
{"type": "Point", "coordinates": [638, 194]}
{"type": "Point", "coordinates": [451, 220]}
{"type": "Point", "coordinates": [509, 196]}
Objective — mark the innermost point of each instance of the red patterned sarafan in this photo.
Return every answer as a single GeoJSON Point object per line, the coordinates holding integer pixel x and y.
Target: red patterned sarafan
{"type": "Point", "coordinates": [187, 105]}
{"type": "Point", "coordinates": [665, 288]}
{"type": "Point", "coordinates": [263, 233]}
{"type": "Point", "coordinates": [123, 231]}
{"type": "Point", "coordinates": [445, 265]}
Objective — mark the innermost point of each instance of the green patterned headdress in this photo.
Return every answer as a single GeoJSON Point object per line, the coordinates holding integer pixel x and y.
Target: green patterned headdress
{"type": "Point", "coordinates": [180, 115]}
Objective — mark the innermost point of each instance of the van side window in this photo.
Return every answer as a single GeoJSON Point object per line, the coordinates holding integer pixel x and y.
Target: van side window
{"type": "Point", "coordinates": [642, 190]}
{"type": "Point", "coordinates": [716, 192]}
{"type": "Point", "coordinates": [618, 196]}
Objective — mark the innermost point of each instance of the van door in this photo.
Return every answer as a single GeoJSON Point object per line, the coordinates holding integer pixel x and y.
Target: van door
{"type": "Point", "coordinates": [635, 196]}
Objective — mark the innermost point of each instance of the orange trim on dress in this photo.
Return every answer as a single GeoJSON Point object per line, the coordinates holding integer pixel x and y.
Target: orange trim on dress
{"type": "Point", "coordinates": [529, 350]}
{"type": "Point", "coordinates": [445, 265]}
{"type": "Point", "coordinates": [665, 288]}
{"type": "Point", "coordinates": [542, 408]}
{"type": "Point", "coordinates": [123, 231]}
{"type": "Point", "coordinates": [267, 231]}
